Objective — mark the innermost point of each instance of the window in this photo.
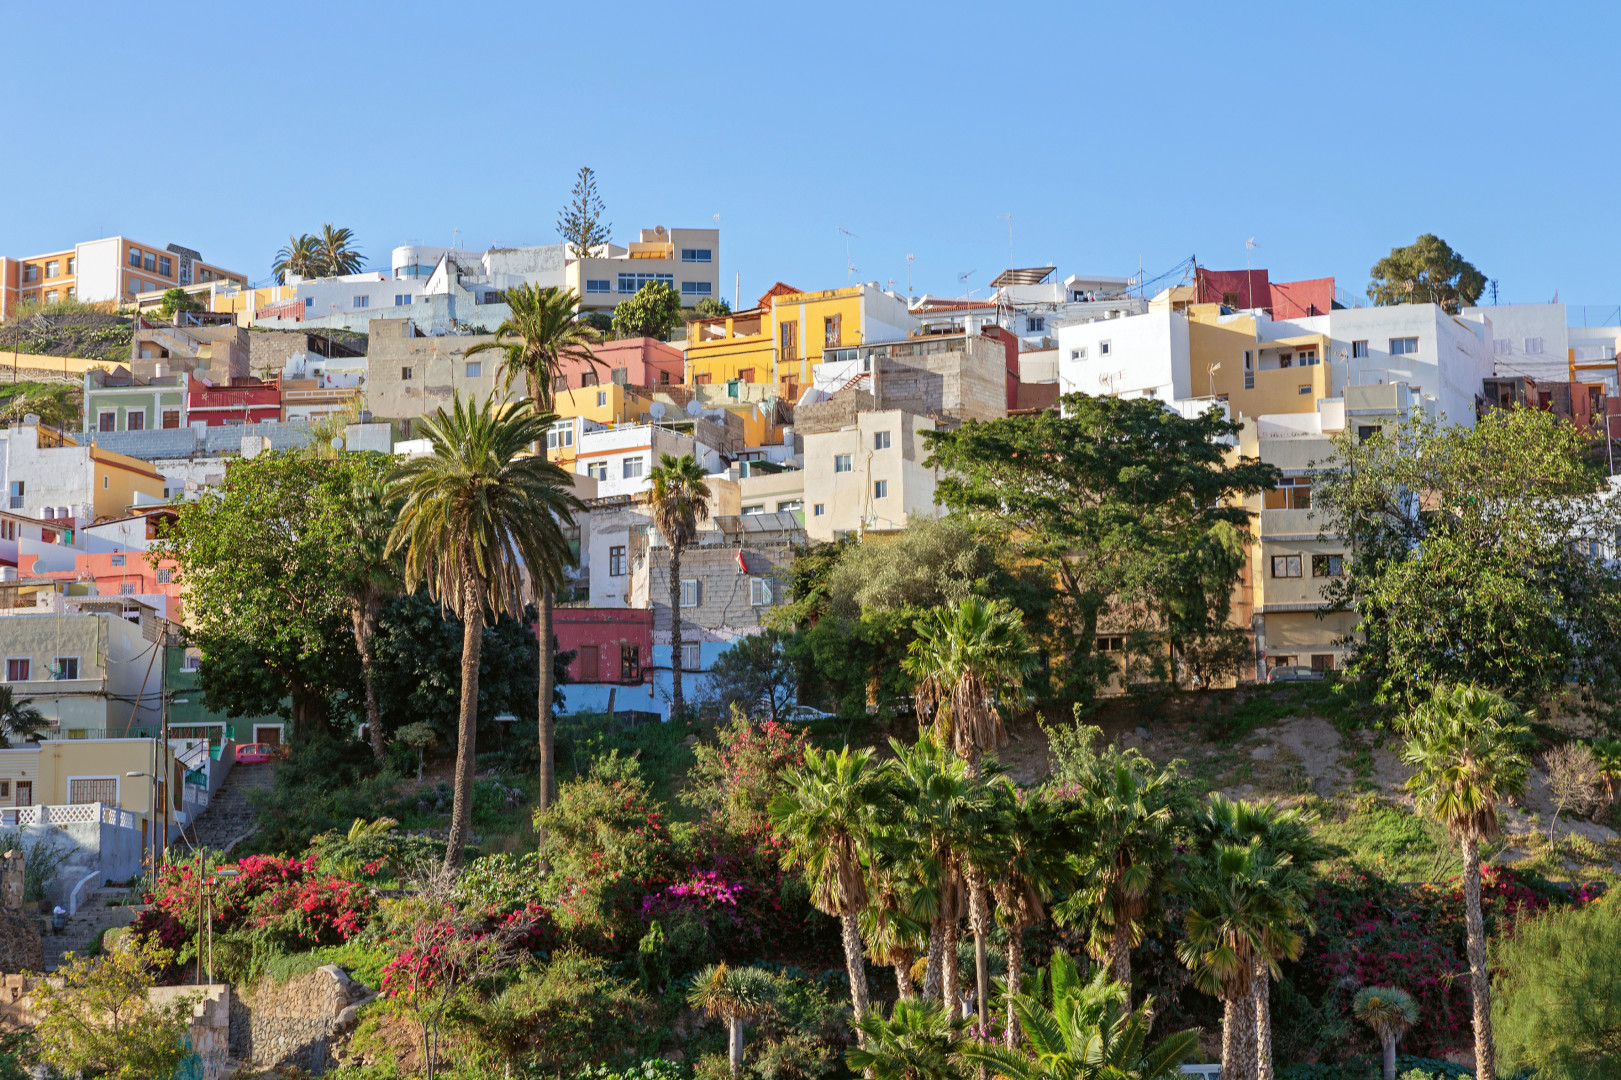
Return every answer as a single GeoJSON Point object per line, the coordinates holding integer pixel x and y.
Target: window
{"type": "Point", "coordinates": [30, 272]}
{"type": "Point", "coordinates": [759, 591]}
{"type": "Point", "coordinates": [165, 266]}
{"type": "Point", "coordinates": [118, 560]}
{"type": "Point", "coordinates": [106, 482]}
{"type": "Point", "coordinates": [589, 663]}
{"type": "Point", "coordinates": [50, 296]}
{"type": "Point", "coordinates": [832, 329]}
{"type": "Point", "coordinates": [818, 510]}
{"type": "Point", "coordinates": [1304, 388]}
{"type": "Point", "coordinates": [630, 663]}
{"type": "Point", "coordinates": [1078, 354]}
{"type": "Point", "coordinates": [405, 374]}
{"type": "Point", "coordinates": [1328, 566]}
{"type": "Point", "coordinates": [1035, 324]}
{"type": "Point", "coordinates": [17, 494]}
{"type": "Point", "coordinates": [1103, 348]}
{"type": "Point", "coordinates": [65, 667]}
{"type": "Point", "coordinates": [1533, 346]}
{"type": "Point", "coordinates": [107, 420]}
{"type": "Point", "coordinates": [126, 589]}
{"type": "Point", "coordinates": [691, 592]}
{"type": "Point", "coordinates": [690, 657]}
{"type": "Point", "coordinates": [5, 789]}
{"type": "Point", "coordinates": [72, 263]}
{"type": "Point", "coordinates": [1404, 346]}
{"type": "Point", "coordinates": [1307, 358]}
{"type": "Point", "coordinates": [634, 283]}
{"type": "Point", "coordinates": [492, 298]}
{"type": "Point", "coordinates": [560, 434]}
{"type": "Point", "coordinates": [171, 418]}
{"type": "Point", "coordinates": [135, 257]}
{"type": "Point", "coordinates": [1111, 643]}
{"type": "Point", "coordinates": [103, 790]}
{"type": "Point", "coordinates": [309, 303]}
{"type": "Point", "coordinates": [1322, 661]}
{"type": "Point", "coordinates": [1364, 432]}
{"type": "Point", "coordinates": [1286, 360]}
{"type": "Point", "coordinates": [18, 670]}
{"type": "Point", "coordinates": [631, 468]}
{"type": "Point", "coordinates": [149, 262]}
{"type": "Point", "coordinates": [790, 506]}
{"type": "Point", "coordinates": [597, 470]}
{"type": "Point", "coordinates": [697, 255]}
{"type": "Point", "coordinates": [841, 463]}
{"type": "Point", "coordinates": [362, 301]}
{"type": "Point", "coordinates": [1359, 350]}
{"type": "Point", "coordinates": [588, 377]}
{"type": "Point", "coordinates": [475, 369]}
{"type": "Point", "coordinates": [559, 382]}
{"type": "Point", "coordinates": [880, 489]}
{"type": "Point", "coordinates": [1285, 566]}
{"type": "Point", "coordinates": [880, 440]}
{"type": "Point", "coordinates": [790, 341]}
{"type": "Point", "coordinates": [697, 288]}
{"type": "Point", "coordinates": [1502, 346]}
{"type": "Point", "coordinates": [1292, 493]}
{"type": "Point", "coordinates": [602, 398]}
{"type": "Point", "coordinates": [402, 299]}
{"type": "Point", "coordinates": [135, 420]}
{"type": "Point", "coordinates": [598, 285]}
{"type": "Point", "coordinates": [616, 561]}
{"type": "Point", "coordinates": [52, 268]}
{"type": "Point", "coordinates": [165, 575]}
{"type": "Point", "coordinates": [754, 508]}
{"type": "Point", "coordinates": [1249, 369]}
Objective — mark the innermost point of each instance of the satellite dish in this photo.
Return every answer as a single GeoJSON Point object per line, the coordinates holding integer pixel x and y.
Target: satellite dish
{"type": "Point", "coordinates": [656, 410]}
{"type": "Point", "coordinates": [693, 408]}
{"type": "Point", "coordinates": [337, 442]}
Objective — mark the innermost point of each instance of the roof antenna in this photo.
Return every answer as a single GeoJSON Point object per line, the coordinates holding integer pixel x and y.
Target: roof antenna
{"type": "Point", "coordinates": [909, 260]}
{"type": "Point", "coordinates": [849, 267]}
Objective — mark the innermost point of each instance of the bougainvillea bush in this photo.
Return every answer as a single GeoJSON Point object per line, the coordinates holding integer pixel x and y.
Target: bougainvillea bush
{"type": "Point", "coordinates": [735, 779]}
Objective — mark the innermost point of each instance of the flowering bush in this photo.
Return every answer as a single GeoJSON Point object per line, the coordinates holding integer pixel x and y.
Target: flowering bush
{"type": "Point", "coordinates": [737, 777]}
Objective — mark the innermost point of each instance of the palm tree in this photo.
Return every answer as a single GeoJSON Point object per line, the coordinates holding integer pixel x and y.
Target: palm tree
{"type": "Point", "coordinates": [918, 1041]}
{"type": "Point", "coordinates": [967, 658]}
{"type": "Point", "coordinates": [537, 341]}
{"type": "Point", "coordinates": [1122, 828]}
{"type": "Point", "coordinates": [300, 256]}
{"type": "Point", "coordinates": [479, 514]}
{"type": "Point", "coordinates": [1607, 755]}
{"type": "Point", "coordinates": [1088, 1033]}
{"type": "Point", "coordinates": [826, 815]}
{"type": "Point", "coordinates": [1032, 866]}
{"type": "Point", "coordinates": [894, 924]}
{"type": "Point", "coordinates": [1467, 747]}
{"type": "Point", "coordinates": [733, 995]}
{"type": "Point", "coordinates": [372, 574]}
{"type": "Point", "coordinates": [334, 256]}
{"type": "Point", "coordinates": [679, 500]}
{"type": "Point", "coordinates": [19, 720]}
{"type": "Point", "coordinates": [1389, 1012]}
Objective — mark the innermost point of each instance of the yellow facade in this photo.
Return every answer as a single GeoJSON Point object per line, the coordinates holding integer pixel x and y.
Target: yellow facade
{"type": "Point", "coordinates": [776, 344]}
{"type": "Point", "coordinates": [607, 403]}
{"type": "Point", "coordinates": [1257, 378]}
{"type": "Point", "coordinates": [59, 772]}
{"type": "Point", "coordinates": [118, 478]}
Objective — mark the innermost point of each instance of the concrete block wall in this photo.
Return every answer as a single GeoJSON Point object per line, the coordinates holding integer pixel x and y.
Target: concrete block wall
{"type": "Point", "coordinates": [838, 411]}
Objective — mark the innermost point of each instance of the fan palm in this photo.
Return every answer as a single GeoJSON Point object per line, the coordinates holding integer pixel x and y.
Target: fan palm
{"type": "Point", "coordinates": [895, 923]}
{"type": "Point", "coordinates": [1607, 755]}
{"type": "Point", "coordinates": [733, 995]}
{"type": "Point", "coordinates": [1389, 1012]}
{"type": "Point", "coordinates": [334, 255]}
{"type": "Point", "coordinates": [372, 574]}
{"type": "Point", "coordinates": [1032, 866]}
{"type": "Point", "coordinates": [300, 255]}
{"type": "Point", "coordinates": [19, 720]}
{"type": "Point", "coordinates": [918, 1041]}
{"type": "Point", "coordinates": [1088, 1033]}
{"type": "Point", "coordinates": [537, 340]}
{"type": "Point", "coordinates": [481, 520]}
{"type": "Point", "coordinates": [678, 499]}
{"type": "Point", "coordinates": [826, 815]}
{"type": "Point", "coordinates": [1468, 749]}
{"type": "Point", "coordinates": [1122, 828]}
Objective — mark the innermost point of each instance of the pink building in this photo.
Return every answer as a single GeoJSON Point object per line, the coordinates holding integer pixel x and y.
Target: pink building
{"type": "Point", "coordinates": [643, 361]}
{"type": "Point", "coordinates": [611, 645]}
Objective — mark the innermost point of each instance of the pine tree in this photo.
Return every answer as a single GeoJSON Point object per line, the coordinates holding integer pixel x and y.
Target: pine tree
{"type": "Point", "coordinates": [580, 222]}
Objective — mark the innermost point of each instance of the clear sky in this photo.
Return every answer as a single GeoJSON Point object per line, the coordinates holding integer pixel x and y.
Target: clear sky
{"type": "Point", "coordinates": [1111, 133]}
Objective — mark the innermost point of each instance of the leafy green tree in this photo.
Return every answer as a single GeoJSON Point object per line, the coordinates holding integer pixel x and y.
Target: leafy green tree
{"type": "Point", "coordinates": [538, 341]}
{"type": "Point", "coordinates": [1127, 505]}
{"type": "Point", "coordinates": [711, 307]}
{"type": "Point", "coordinates": [919, 1040]}
{"type": "Point", "coordinates": [1389, 1012]}
{"type": "Point", "coordinates": [1427, 271]}
{"type": "Point", "coordinates": [757, 676]}
{"type": "Point", "coordinates": [1557, 994]}
{"type": "Point", "coordinates": [933, 562]}
{"type": "Point", "coordinates": [418, 736]}
{"type": "Point", "coordinates": [1088, 1032]}
{"type": "Point", "coordinates": [371, 573]}
{"type": "Point", "coordinates": [678, 499]}
{"type": "Point", "coordinates": [733, 995]}
{"type": "Point", "coordinates": [266, 601]}
{"type": "Point", "coordinates": [300, 255]}
{"type": "Point", "coordinates": [479, 514]}
{"type": "Point", "coordinates": [580, 223]}
{"type": "Point", "coordinates": [178, 299]}
{"type": "Point", "coordinates": [99, 1022]}
{"type": "Point", "coordinates": [1468, 749]}
{"type": "Point", "coordinates": [653, 312]}
{"type": "Point", "coordinates": [1472, 555]}
{"type": "Point", "coordinates": [20, 722]}
{"type": "Point", "coordinates": [826, 818]}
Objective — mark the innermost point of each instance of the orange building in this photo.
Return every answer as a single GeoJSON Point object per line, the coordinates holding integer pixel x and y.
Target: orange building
{"type": "Point", "coordinates": [112, 271]}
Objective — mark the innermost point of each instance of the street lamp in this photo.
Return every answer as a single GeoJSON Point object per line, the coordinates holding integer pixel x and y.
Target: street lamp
{"type": "Point", "coordinates": [209, 888]}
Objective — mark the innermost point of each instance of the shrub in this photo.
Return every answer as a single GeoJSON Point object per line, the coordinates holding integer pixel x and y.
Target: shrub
{"type": "Point", "coordinates": [322, 785]}
{"type": "Point", "coordinates": [1557, 996]}
{"type": "Point", "coordinates": [501, 882]}
{"type": "Point", "coordinates": [572, 1012]}
{"type": "Point", "coordinates": [737, 777]}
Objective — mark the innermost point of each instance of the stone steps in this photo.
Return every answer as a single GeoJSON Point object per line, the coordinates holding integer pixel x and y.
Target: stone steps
{"type": "Point", "coordinates": [230, 814]}
{"type": "Point", "coordinates": [101, 909]}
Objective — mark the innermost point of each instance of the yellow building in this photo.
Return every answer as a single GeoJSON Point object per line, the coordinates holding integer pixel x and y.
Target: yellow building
{"type": "Point", "coordinates": [588, 408]}
{"type": "Point", "coordinates": [1256, 378]}
{"type": "Point", "coordinates": [778, 341]}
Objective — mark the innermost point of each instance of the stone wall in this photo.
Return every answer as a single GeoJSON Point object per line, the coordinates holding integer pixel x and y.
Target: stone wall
{"type": "Point", "coordinates": [838, 411]}
{"type": "Point", "coordinates": [294, 1023]}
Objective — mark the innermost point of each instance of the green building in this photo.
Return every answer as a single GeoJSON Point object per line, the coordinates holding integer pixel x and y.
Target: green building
{"type": "Point", "coordinates": [124, 403]}
{"type": "Point", "coordinates": [189, 718]}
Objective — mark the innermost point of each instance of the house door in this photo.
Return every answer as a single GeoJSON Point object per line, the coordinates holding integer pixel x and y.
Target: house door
{"type": "Point", "coordinates": [270, 735]}
{"type": "Point", "coordinates": [25, 793]}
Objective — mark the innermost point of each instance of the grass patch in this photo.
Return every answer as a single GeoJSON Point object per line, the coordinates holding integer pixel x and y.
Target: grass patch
{"type": "Point", "coordinates": [363, 965]}
{"type": "Point", "coordinates": [1389, 838]}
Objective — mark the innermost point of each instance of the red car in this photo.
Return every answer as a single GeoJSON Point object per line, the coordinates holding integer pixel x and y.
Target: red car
{"type": "Point", "coordinates": [256, 753]}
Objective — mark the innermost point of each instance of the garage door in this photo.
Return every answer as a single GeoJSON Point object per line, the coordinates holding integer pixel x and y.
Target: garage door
{"type": "Point", "coordinates": [88, 791]}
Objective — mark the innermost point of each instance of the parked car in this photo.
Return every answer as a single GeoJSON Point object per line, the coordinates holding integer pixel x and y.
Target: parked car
{"type": "Point", "coordinates": [804, 714]}
{"type": "Point", "coordinates": [1204, 1072]}
{"type": "Point", "coordinates": [257, 753]}
{"type": "Point", "coordinates": [1293, 673]}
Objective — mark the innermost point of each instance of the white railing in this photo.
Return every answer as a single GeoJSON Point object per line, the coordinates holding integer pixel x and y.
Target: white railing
{"type": "Point", "coordinates": [73, 814]}
{"type": "Point", "coordinates": [93, 879]}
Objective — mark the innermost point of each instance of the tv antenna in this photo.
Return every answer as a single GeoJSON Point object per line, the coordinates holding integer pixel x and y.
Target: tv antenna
{"type": "Point", "coordinates": [1109, 378]}
{"type": "Point", "coordinates": [962, 279]}
{"type": "Point", "coordinates": [909, 260]}
{"type": "Point", "coordinates": [849, 267]}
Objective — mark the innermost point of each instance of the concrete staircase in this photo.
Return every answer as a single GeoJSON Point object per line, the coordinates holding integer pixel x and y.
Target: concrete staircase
{"type": "Point", "coordinates": [230, 814]}
{"type": "Point", "coordinates": [100, 910]}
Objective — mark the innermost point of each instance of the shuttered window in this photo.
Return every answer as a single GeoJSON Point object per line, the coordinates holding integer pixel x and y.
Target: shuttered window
{"type": "Point", "coordinates": [89, 791]}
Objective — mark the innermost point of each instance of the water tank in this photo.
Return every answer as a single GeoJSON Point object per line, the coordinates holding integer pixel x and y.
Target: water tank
{"type": "Point", "coordinates": [48, 513]}
{"type": "Point", "coordinates": [8, 573]}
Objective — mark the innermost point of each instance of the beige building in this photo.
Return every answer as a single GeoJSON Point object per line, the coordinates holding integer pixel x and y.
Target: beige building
{"type": "Point", "coordinates": [409, 374]}
{"type": "Point", "coordinates": [57, 772]}
{"type": "Point", "coordinates": [687, 260]}
{"type": "Point", "coordinates": [867, 475]}
{"type": "Point", "coordinates": [770, 492]}
{"type": "Point", "coordinates": [89, 671]}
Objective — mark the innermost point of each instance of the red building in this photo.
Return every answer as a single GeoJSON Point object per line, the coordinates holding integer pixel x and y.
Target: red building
{"type": "Point", "coordinates": [1252, 289]}
{"type": "Point", "coordinates": [631, 362]}
{"type": "Point", "coordinates": [611, 645]}
{"type": "Point", "coordinates": [245, 400]}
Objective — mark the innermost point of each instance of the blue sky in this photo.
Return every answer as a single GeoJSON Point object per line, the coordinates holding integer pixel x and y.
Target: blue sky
{"type": "Point", "coordinates": [1328, 132]}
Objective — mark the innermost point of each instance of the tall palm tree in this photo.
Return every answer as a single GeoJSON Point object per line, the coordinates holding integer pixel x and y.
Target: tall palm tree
{"type": "Point", "coordinates": [678, 499]}
{"type": "Point", "coordinates": [19, 720]}
{"type": "Point", "coordinates": [1468, 749]}
{"type": "Point", "coordinates": [1089, 1032]}
{"type": "Point", "coordinates": [1122, 826]}
{"type": "Point", "coordinates": [334, 254]}
{"type": "Point", "coordinates": [479, 514]}
{"type": "Point", "coordinates": [300, 255]}
{"type": "Point", "coordinates": [538, 340]}
{"type": "Point", "coordinates": [733, 995]}
{"type": "Point", "coordinates": [895, 923]}
{"type": "Point", "coordinates": [372, 574]}
{"type": "Point", "coordinates": [919, 1040]}
{"type": "Point", "coordinates": [1607, 755]}
{"type": "Point", "coordinates": [968, 658]}
{"type": "Point", "coordinates": [1032, 866]}
{"type": "Point", "coordinates": [826, 815]}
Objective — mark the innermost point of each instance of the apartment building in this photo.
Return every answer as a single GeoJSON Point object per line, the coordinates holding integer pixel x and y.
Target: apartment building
{"type": "Point", "coordinates": [86, 670]}
{"type": "Point", "coordinates": [687, 260]}
{"type": "Point", "coordinates": [49, 474]}
{"type": "Point", "coordinates": [113, 270]}
{"type": "Point", "coordinates": [118, 401]}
